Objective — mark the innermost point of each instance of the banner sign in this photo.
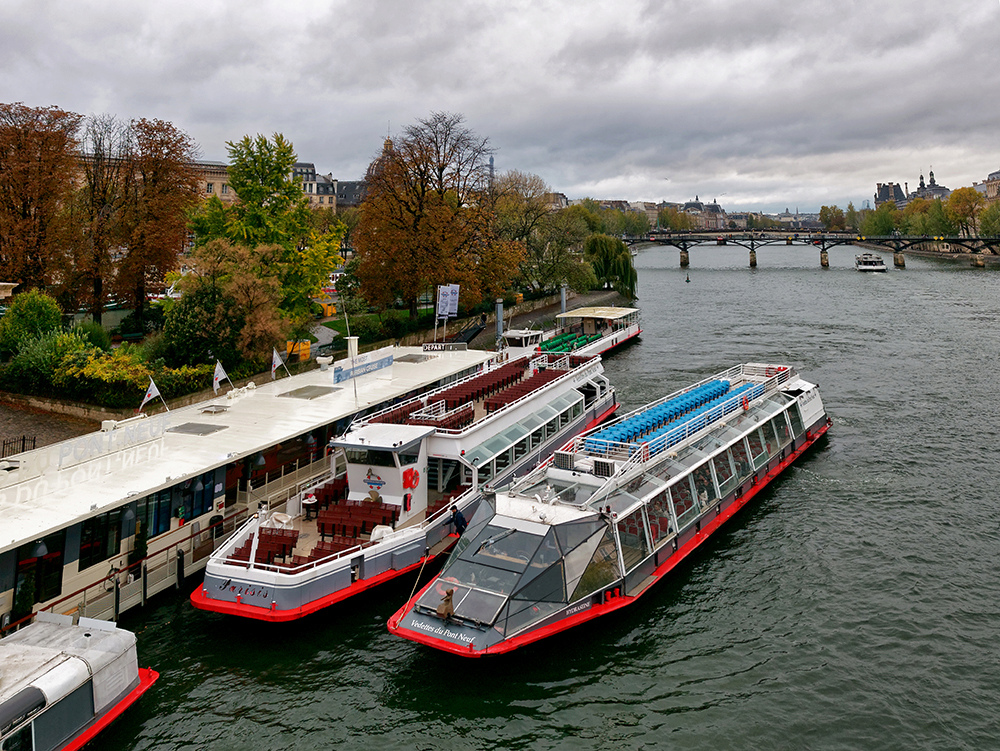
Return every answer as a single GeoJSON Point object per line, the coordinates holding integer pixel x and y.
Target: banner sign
{"type": "Point", "coordinates": [453, 301]}
{"type": "Point", "coordinates": [445, 347]}
{"type": "Point", "coordinates": [442, 301]}
{"type": "Point", "coordinates": [369, 362]}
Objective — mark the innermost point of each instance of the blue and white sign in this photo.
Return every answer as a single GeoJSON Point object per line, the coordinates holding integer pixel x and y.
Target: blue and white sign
{"type": "Point", "coordinates": [453, 301]}
{"type": "Point", "coordinates": [369, 362]}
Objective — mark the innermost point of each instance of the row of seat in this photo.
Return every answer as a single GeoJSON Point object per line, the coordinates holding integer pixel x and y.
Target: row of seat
{"type": "Point", "coordinates": [454, 420]}
{"type": "Point", "coordinates": [398, 415]}
{"type": "Point", "coordinates": [570, 344]}
{"type": "Point", "coordinates": [702, 416]}
{"type": "Point", "coordinates": [352, 521]}
{"type": "Point", "coordinates": [651, 419]}
{"type": "Point", "coordinates": [515, 392]}
{"type": "Point", "coordinates": [482, 385]}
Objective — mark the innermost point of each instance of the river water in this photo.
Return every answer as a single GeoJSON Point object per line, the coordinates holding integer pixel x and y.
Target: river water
{"type": "Point", "coordinates": [854, 605]}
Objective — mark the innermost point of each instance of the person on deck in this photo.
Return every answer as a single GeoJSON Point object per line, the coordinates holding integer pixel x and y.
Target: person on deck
{"type": "Point", "coordinates": [457, 519]}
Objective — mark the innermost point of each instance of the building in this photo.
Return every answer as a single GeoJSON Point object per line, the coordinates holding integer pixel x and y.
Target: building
{"type": "Point", "coordinates": [990, 187]}
{"type": "Point", "coordinates": [901, 196]}
{"type": "Point", "coordinates": [886, 192]}
{"type": "Point", "coordinates": [350, 194]}
{"type": "Point", "coordinates": [320, 190]}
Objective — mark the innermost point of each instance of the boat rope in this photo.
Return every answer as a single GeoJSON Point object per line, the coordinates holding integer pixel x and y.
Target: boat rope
{"type": "Point", "coordinates": [427, 554]}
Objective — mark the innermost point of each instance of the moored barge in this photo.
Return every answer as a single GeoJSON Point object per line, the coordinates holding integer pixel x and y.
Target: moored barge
{"type": "Point", "coordinates": [406, 467]}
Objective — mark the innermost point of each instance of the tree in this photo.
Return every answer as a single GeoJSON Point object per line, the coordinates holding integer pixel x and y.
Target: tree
{"type": "Point", "coordinates": [612, 262]}
{"type": "Point", "coordinates": [98, 208]}
{"type": "Point", "coordinates": [429, 218]}
{"type": "Point", "coordinates": [229, 309]}
{"type": "Point", "coordinates": [832, 217]}
{"type": "Point", "coordinates": [963, 209]}
{"type": "Point", "coordinates": [989, 221]}
{"type": "Point", "coordinates": [851, 218]}
{"type": "Point", "coordinates": [272, 211]}
{"type": "Point", "coordinates": [37, 152]}
{"type": "Point", "coordinates": [552, 239]}
{"type": "Point", "coordinates": [882, 221]}
{"type": "Point", "coordinates": [161, 190]}
{"type": "Point", "coordinates": [31, 315]}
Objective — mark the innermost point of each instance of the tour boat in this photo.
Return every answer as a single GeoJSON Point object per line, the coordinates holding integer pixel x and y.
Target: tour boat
{"type": "Point", "coordinates": [869, 262]}
{"type": "Point", "coordinates": [406, 467]}
{"type": "Point", "coordinates": [592, 528]}
{"type": "Point", "coordinates": [61, 684]}
{"type": "Point", "coordinates": [583, 331]}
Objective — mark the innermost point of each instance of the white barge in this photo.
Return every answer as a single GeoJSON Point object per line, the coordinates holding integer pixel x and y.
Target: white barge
{"type": "Point", "coordinates": [406, 466]}
{"type": "Point", "coordinates": [95, 525]}
{"type": "Point", "coordinates": [594, 527]}
{"type": "Point", "coordinates": [61, 684]}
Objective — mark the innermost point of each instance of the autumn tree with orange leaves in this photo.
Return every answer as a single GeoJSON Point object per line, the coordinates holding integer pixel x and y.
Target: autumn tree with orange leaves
{"type": "Point", "coordinates": [429, 218]}
{"type": "Point", "coordinates": [37, 152]}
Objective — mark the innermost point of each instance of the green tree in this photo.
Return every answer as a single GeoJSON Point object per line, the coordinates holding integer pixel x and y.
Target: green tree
{"type": "Point", "coordinates": [672, 219]}
{"type": "Point", "coordinates": [612, 262]}
{"type": "Point", "coordinates": [851, 218]}
{"type": "Point", "coordinates": [31, 315]}
{"type": "Point", "coordinates": [271, 211]}
{"type": "Point", "coordinates": [989, 221]}
{"type": "Point", "coordinates": [882, 221]}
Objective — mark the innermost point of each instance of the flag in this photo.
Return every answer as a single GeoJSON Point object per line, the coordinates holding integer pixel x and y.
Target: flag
{"type": "Point", "coordinates": [453, 300]}
{"type": "Point", "coordinates": [444, 292]}
{"type": "Point", "coordinates": [151, 393]}
{"type": "Point", "coordinates": [220, 375]}
{"type": "Point", "coordinates": [275, 363]}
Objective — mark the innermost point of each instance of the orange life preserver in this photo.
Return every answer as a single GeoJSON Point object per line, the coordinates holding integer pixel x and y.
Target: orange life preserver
{"type": "Point", "coordinates": [771, 372]}
{"type": "Point", "coordinates": [411, 478]}
{"type": "Point", "coordinates": [746, 404]}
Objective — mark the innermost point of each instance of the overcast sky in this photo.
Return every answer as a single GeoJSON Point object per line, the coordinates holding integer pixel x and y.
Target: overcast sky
{"type": "Point", "coordinates": [762, 105]}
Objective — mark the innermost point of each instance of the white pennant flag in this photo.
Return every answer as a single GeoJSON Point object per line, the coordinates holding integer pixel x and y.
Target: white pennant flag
{"type": "Point", "coordinates": [275, 363]}
{"type": "Point", "coordinates": [220, 375]}
{"type": "Point", "coordinates": [151, 393]}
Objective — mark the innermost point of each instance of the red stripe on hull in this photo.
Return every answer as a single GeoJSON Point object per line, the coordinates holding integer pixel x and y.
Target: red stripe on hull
{"type": "Point", "coordinates": [202, 602]}
{"type": "Point", "coordinates": [595, 611]}
{"type": "Point", "coordinates": [618, 344]}
{"type": "Point", "coordinates": [147, 677]}
{"type": "Point", "coordinates": [598, 420]}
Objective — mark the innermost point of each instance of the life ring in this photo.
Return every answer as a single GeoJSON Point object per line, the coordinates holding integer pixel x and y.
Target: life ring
{"type": "Point", "coordinates": [746, 404]}
{"type": "Point", "coordinates": [771, 372]}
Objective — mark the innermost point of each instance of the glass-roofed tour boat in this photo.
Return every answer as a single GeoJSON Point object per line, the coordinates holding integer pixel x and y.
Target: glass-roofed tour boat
{"type": "Point", "coordinates": [406, 466]}
{"type": "Point", "coordinates": [592, 528]}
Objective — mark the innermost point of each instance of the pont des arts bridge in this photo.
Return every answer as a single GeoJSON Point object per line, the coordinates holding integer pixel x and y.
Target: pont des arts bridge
{"type": "Point", "coordinates": [978, 248]}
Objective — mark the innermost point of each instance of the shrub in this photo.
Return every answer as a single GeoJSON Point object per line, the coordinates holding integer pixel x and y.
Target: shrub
{"type": "Point", "coordinates": [31, 314]}
{"type": "Point", "coordinates": [95, 334]}
{"type": "Point", "coordinates": [33, 370]}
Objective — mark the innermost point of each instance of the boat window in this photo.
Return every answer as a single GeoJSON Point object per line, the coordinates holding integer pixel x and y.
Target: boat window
{"type": "Point", "coordinates": [682, 496]}
{"type": "Point", "coordinates": [489, 578]}
{"type": "Point", "coordinates": [573, 534]}
{"type": "Point", "coordinates": [780, 426]}
{"type": "Point", "coordinates": [577, 409]}
{"type": "Point", "coordinates": [643, 485]}
{"type": "Point", "coordinates": [601, 570]}
{"type": "Point", "coordinates": [522, 613]}
{"type": "Point", "coordinates": [100, 538]}
{"type": "Point", "coordinates": [552, 427]}
{"type": "Point", "coordinates": [509, 549]}
{"type": "Point", "coordinates": [658, 509]}
{"type": "Point", "coordinates": [796, 418]}
{"type": "Point", "coordinates": [724, 473]}
{"type": "Point", "coordinates": [704, 485]}
{"type": "Point", "coordinates": [409, 457]}
{"type": "Point", "coordinates": [502, 460]}
{"type": "Point", "coordinates": [65, 717]}
{"type": "Point", "coordinates": [520, 449]}
{"type": "Point", "coordinates": [537, 436]}
{"type": "Point", "coordinates": [632, 535]}
{"type": "Point", "coordinates": [563, 419]}
{"type": "Point", "coordinates": [757, 453]}
{"type": "Point", "coordinates": [548, 586]}
{"type": "Point", "coordinates": [371, 457]}
{"type": "Point", "coordinates": [486, 472]}
{"type": "Point", "coordinates": [770, 439]}
{"type": "Point", "coordinates": [741, 459]}
{"type": "Point", "coordinates": [484, 514]}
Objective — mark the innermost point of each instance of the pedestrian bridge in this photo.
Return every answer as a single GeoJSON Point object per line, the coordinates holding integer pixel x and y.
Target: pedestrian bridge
{"type": "Point", "coordinates": [897, 244]}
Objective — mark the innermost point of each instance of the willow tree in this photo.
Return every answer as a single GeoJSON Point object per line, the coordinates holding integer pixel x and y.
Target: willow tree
{"type": "Point", "coordinates": [612, 262]}
{"type": "Point", "coordinates": [429, 218]}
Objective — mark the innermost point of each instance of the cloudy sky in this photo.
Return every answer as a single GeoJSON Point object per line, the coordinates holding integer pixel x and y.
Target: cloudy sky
{"type": "Point", "coordinates": [762, 105]}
